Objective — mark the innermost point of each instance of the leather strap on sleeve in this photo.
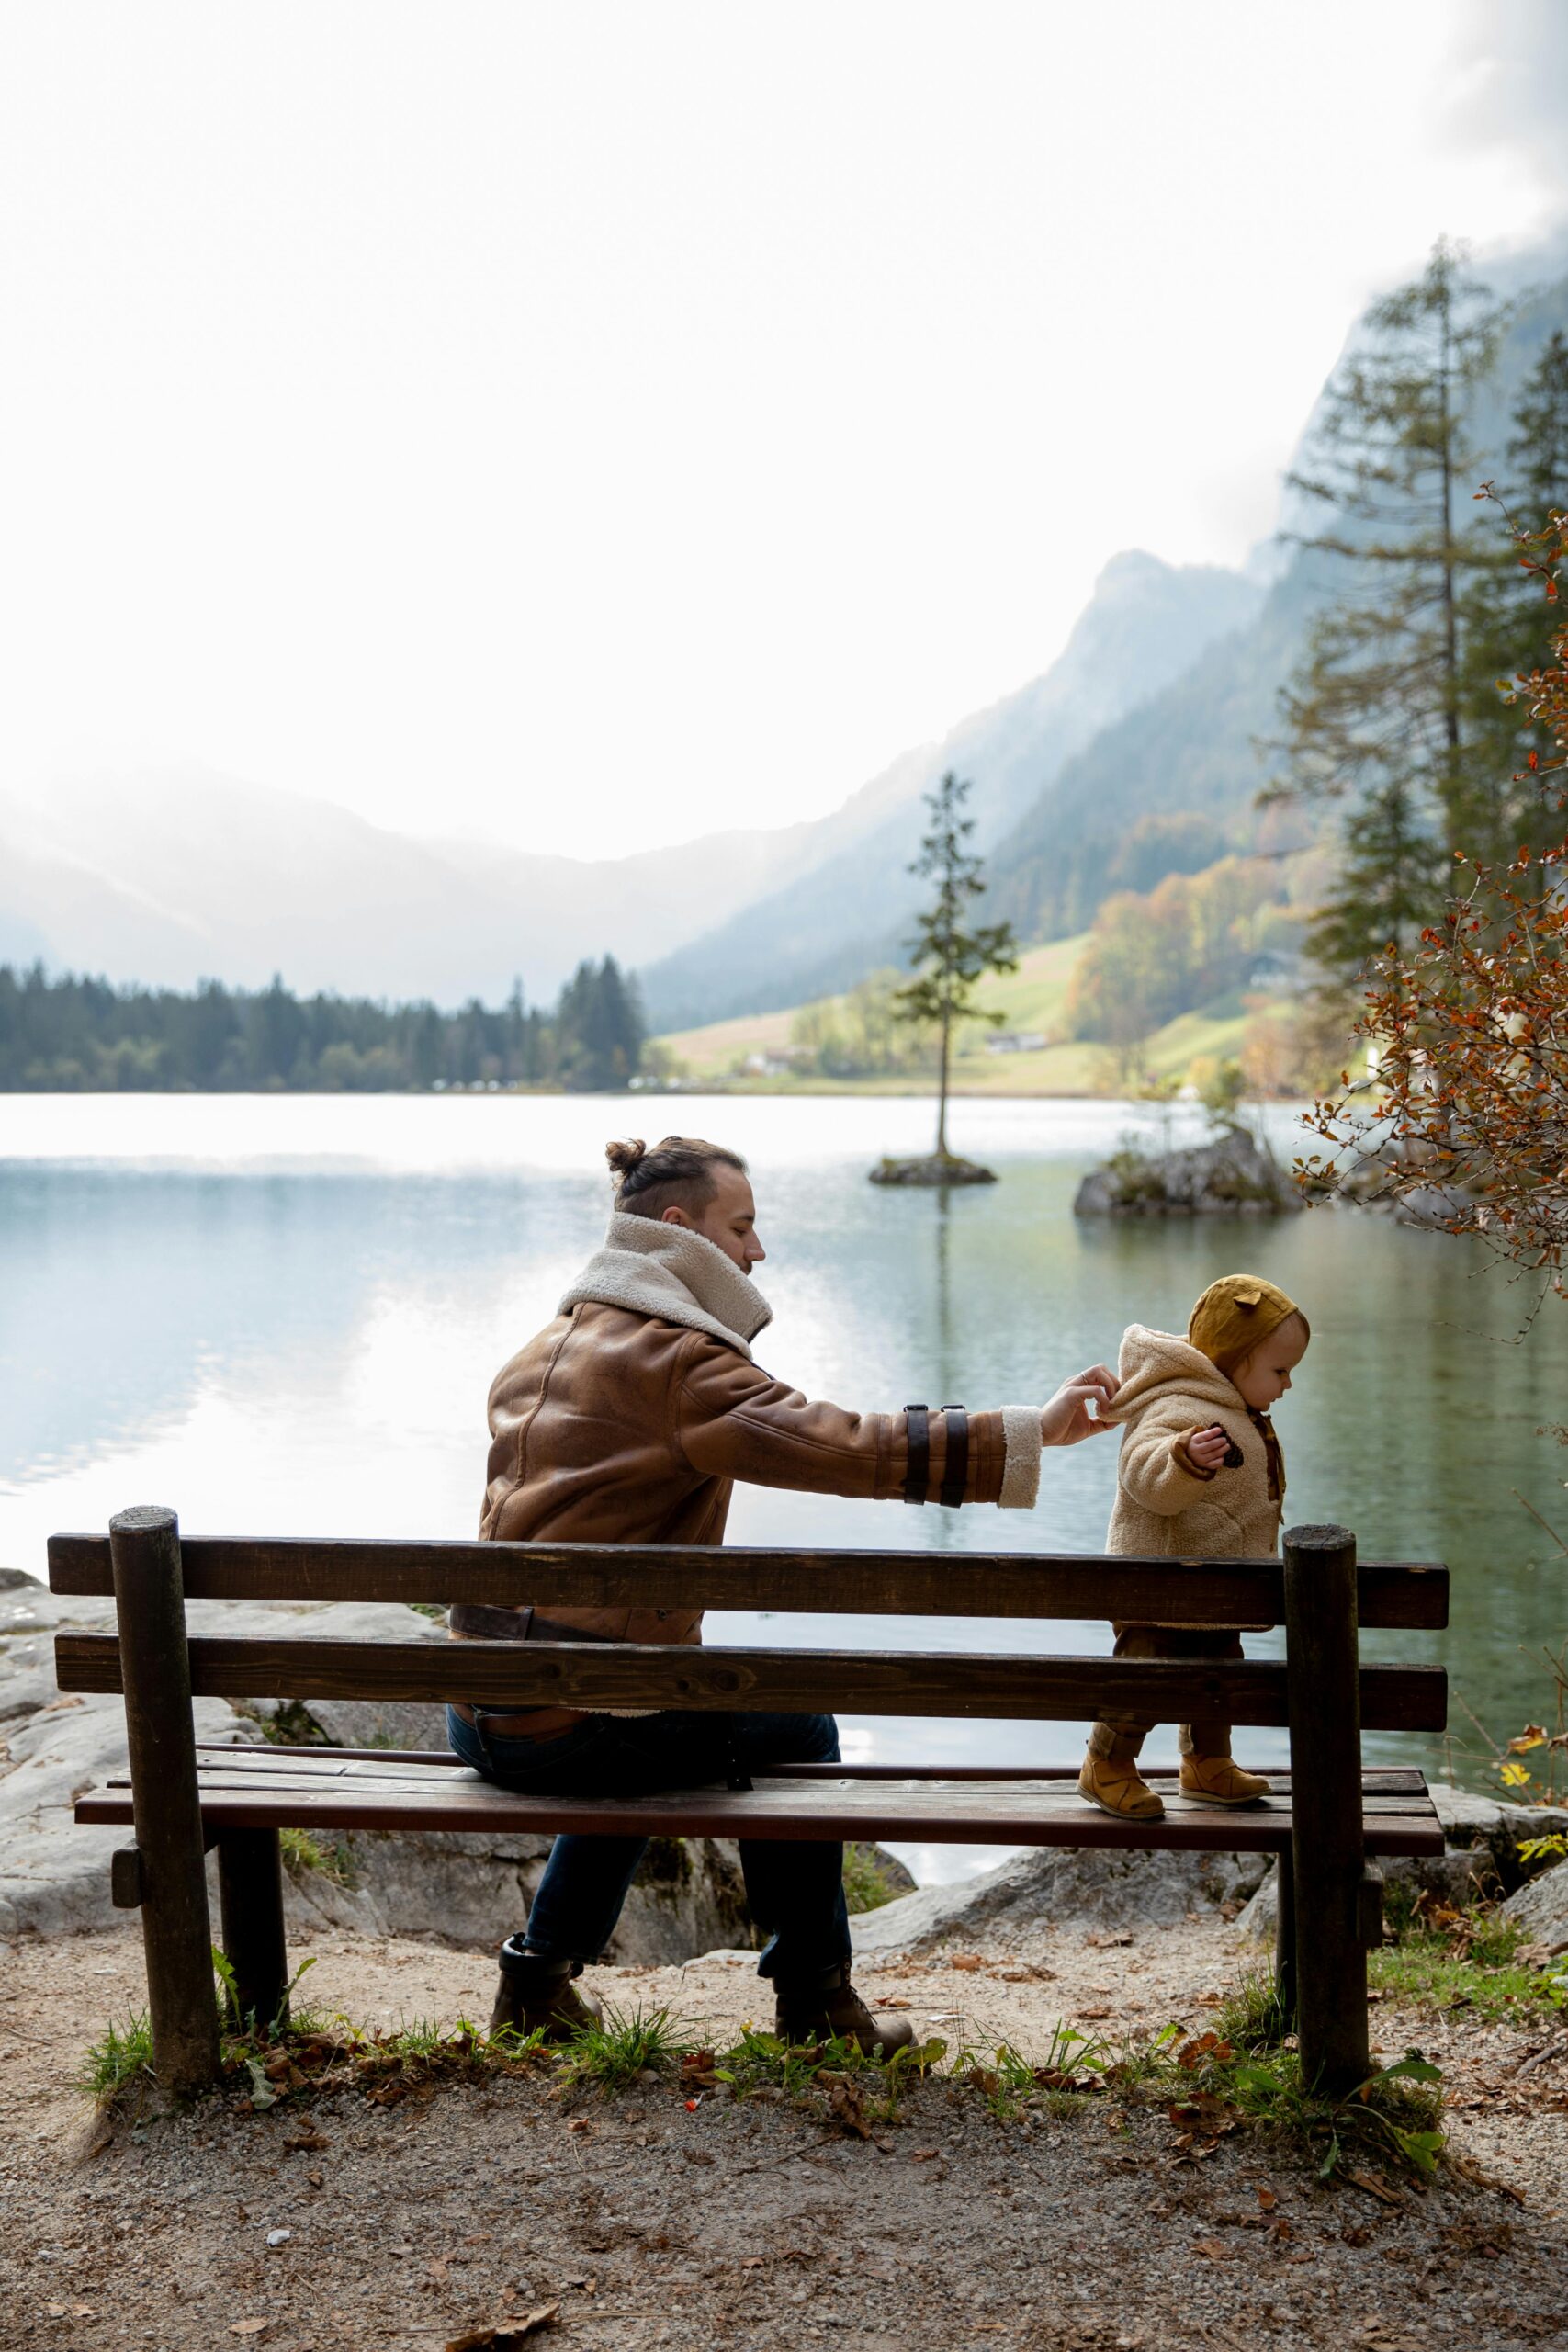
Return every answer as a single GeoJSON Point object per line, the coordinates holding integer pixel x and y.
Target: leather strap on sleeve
{"type": "Point", "coordinates": [956, 1466]}
{"type": "Point", "coordinates": [917, 1470]}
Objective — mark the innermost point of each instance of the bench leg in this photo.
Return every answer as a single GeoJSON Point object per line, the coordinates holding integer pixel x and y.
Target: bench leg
{"type": "Point", "coordinates": [1324, 1685]}
{"type": "Point", "coordinates": [250, 1896]}
{"type": "Point", "coordinates": [171, 1876]}
{"type": "Point", "coordinates": [1285, 1939]}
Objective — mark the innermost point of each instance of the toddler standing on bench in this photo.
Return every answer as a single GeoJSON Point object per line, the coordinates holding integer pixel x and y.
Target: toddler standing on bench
{"type": "Point", "coordinates": [1200, 1475]}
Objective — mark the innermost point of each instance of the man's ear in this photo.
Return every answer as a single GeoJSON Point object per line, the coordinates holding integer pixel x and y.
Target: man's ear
{"type": "Point", "coordinates": [673, 1215]}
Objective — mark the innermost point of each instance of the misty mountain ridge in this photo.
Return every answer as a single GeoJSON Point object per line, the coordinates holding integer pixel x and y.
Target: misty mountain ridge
{"type": "Point", "coordinates": [168, 878]}
{"type": "Point", "coordinates": [1145, 623]}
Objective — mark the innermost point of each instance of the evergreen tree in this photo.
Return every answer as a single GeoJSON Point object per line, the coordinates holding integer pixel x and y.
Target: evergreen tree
{"type": "Point", "coordinates": [950, 955]}
{"type": "Point", "coordinates": [1507, 628]}
{"type": "Point", "coordinates": [1376, 713]}
{"type": "Point", "coordinates": [598, 1029]}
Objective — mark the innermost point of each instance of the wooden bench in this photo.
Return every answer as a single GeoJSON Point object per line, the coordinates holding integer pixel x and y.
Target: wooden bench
{"type": "Point", "coordinates": [181, 1798]}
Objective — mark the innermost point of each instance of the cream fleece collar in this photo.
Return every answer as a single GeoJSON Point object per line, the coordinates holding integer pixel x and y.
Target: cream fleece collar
{"type": "Point", "coordinates": [673, 1274]}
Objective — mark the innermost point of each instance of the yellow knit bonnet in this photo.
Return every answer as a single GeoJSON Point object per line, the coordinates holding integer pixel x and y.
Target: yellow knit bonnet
{"type": "Point", "coordinates": [1235, 1315]}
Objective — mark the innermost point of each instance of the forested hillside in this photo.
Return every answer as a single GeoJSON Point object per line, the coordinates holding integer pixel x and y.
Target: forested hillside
{"type": "Point", "coordinates": [71, 1035]}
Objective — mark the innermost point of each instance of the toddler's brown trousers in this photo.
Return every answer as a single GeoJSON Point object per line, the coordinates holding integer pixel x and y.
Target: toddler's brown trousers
{"type": "Point", "coordinates": [1119, 1736]}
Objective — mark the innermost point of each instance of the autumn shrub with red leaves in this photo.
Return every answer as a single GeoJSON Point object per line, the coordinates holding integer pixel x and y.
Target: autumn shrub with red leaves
{"type": "Point", "coordinates": [1466, 1099]}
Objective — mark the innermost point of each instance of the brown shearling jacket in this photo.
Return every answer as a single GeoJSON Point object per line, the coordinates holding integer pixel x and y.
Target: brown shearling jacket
{"type": "Point", "coordinates": [629, 1417]}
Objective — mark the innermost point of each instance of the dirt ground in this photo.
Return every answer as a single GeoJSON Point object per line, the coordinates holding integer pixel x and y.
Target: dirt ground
{"type": "Point", "coordinates": [738, 2224]}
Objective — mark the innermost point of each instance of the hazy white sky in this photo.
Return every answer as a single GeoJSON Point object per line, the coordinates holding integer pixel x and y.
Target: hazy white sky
{"type": "Point", "coordinates": [595, 424]}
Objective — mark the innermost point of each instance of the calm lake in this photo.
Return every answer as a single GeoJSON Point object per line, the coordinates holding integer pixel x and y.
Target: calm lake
{"type": "Point", "coordinates": [282, 1314]}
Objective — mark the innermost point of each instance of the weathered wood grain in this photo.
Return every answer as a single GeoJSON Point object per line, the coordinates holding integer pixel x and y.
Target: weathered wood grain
{"type": "Point", "coordinates": [151, 1667]}
{"type": "Point", "coordinates": [1331, 1840]}
{"type": "Point", "coordinates": [900, 1584]}
{"type": "Point", "coordinates": [1397, 1779]}
{"type": "Point", "coordinates": [963, 1814]}
{"type": "Point", "coordinates": [919, 1682]}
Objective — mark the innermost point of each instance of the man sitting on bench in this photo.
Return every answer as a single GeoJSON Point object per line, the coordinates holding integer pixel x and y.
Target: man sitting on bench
{"type": "Point", "coordinates": [626, 1420]}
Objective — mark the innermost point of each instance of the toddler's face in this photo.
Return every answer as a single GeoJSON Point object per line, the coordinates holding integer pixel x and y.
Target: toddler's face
{"type": "Point", "coordinates": [1262, 1378]}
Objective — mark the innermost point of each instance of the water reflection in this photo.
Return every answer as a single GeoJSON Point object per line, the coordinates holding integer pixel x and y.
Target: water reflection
{"type": "Point", "coordinates": [283, 1316]}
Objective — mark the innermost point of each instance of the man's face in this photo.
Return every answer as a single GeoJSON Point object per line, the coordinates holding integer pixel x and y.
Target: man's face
{"type": "Point", "coordinates": [729, 1219]}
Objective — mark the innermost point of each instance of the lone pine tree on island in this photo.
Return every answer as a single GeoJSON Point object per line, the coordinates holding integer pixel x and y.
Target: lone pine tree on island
{"type": "Point", "coordinates": [951, 955]}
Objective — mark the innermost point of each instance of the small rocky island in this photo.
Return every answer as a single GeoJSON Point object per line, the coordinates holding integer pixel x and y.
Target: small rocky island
{"type": "Point", "coordinates": [938, 1168]}
{"type": "Point", "coordinates": [1233, 1176]}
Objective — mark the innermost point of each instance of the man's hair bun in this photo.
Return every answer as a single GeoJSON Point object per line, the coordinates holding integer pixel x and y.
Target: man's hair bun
{"type": "Point", "coordinates": [678, 1171]}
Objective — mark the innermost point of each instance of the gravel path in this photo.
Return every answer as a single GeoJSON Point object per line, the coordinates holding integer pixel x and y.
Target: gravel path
{"type": "Point", "coordinates": [751, 2225]}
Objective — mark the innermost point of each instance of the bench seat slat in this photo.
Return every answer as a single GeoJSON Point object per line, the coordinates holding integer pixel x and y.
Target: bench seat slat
{"type": "Point", "coordinates": [1043, 1816]}
{"type": "Point", "coordinates": [900, 1584]}
{"type": "Point", "coordinates": [221, 1781]}
{"type": "Point", "coordinates": [1378, 1779]}
{"type": "Point", "coordinates": [885, 1683]}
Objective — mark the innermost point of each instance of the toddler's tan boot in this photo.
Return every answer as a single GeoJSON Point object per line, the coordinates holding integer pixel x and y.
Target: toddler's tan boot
{"type": "Point", "coordinates": [1112, 1782]}
{"type": "Point", "coordinates": [1219, 1780]}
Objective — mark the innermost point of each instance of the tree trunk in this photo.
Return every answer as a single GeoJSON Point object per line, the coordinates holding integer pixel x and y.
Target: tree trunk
{"type": "Point", "coordinates": [1451, 781]}
{"type": "Point", "coordinates": [942, 1086]}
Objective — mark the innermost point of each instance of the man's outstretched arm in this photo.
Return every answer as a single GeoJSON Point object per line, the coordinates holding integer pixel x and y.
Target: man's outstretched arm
{"type": "Point", "coordinates": [733, 1420]}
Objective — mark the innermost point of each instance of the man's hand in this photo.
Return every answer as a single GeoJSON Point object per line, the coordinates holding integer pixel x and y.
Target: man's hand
{"type": "Point", "coordinates": [1208, 1448]}
{"type": "Point", "coordinates": [1073, 1410]}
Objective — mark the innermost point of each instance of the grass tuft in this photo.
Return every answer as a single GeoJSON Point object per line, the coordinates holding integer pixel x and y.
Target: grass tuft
{"type": "Point", "coordinates": [303, 1854]}
{"type": "Point", "coordinates": [1447, 1958]}
{"type": "Point", "coordinates": [120, 2060]}
{"type": "Point", "coordinates": [619, 2048]}
{"type": "Point", "coordinates": [1252, 2014]}
{"type": "Point", "coordinates": [867, 1885]}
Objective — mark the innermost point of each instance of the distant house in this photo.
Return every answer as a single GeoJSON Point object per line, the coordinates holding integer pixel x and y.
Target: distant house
{"type": "Point", "coordinates": [1015, 1041]}
{"type": "Point", "coordinates": [1273, 972]}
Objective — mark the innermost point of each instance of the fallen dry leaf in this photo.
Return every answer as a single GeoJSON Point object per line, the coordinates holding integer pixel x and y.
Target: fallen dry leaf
{"type": "Point", "coordinates": [966, 1959]}
{"type": "Point", "coordinates": [1213, 2249]}
{"type": "Point", "coordinates": [502, 2335]}
{"type": "Point", "coordinates": [1266, 2199]}
{"type": "Point", "coordinates": [1375, 2186]}
{"type": "Point", "coordinates": [924, 2156]}
{"type": "Point", "coordinates": [1093, 2015]}
{"type": "Point", "coordinates": [246, 2326]}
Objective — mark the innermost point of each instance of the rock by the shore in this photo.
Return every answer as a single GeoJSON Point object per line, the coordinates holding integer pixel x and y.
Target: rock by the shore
{"type": "Point", "coordinates": [935, 1169]}
{"type": "Point", "coordinates": [468, 1888]}
{"type": "Point", "coordinates": [1016, 1906]}
{"type": "Point", "coordinates": [1234, 1176]}
{"type": "Point", "coordinates": [1482, 1837]}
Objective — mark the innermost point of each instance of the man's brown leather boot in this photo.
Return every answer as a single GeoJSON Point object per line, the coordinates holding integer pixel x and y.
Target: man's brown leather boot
{"type": "Point", "coordinates": [821, 2006]}
{"type": "Point", "coordinates": [533, 1996]}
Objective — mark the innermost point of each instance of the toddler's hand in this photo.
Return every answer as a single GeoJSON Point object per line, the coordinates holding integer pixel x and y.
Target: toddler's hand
{"type": "Point", "coordinates": [1208, 1448]}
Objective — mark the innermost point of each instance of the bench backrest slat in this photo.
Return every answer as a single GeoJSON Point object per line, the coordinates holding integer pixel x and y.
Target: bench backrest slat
{"type": "Point", "coordinates": [897, 1683]}
{"type": "Point", "coordinates": [1024, 1584]}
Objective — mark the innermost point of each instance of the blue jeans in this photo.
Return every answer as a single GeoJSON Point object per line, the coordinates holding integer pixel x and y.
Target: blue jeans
{"type": "Point", "coordinates": [795, 1888]}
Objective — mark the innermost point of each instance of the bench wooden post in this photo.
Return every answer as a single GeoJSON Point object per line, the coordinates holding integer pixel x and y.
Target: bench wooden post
{"type": "Point", "coordinates": [1323, 1669]}
{"type": "Point", "coordinates": [1285, 1939]}
{"type": "Point", "coordinates": [250, 1901]}
{"type": "Point", "coordinates": [160, 1735]}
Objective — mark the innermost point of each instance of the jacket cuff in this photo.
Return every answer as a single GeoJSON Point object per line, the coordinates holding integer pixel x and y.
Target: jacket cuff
{"type": "Point", "coordinates": [1184, 1461]}
{"type": "Point", "coordinates": [1020, 1466]}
